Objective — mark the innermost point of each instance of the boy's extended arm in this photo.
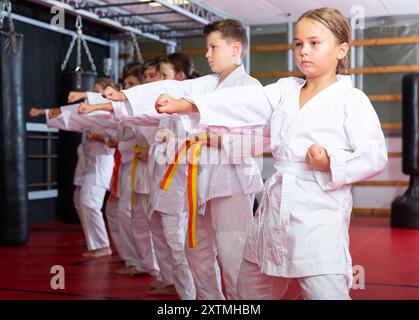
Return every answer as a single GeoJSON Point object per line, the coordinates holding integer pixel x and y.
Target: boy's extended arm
{"type": "Point", "coordinates": [86, 108]}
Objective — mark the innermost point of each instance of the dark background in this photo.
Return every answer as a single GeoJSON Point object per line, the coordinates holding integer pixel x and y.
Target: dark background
{"type": "Point", "coordinates": [44, 52]}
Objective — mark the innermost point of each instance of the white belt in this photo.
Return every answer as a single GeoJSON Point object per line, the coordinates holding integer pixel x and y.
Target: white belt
{"type": "Point", "coordinates": [300, 170]}
{"type": "Point", "coordinates": [286, 174]}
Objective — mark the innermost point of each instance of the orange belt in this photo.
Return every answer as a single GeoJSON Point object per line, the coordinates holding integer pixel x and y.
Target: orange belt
{"type": "Point", "coordinates": [115, 175]}
{"type": "Point", "coordinates": [137, 149]}
{"type": "Point", "coordinates": [194, 146]}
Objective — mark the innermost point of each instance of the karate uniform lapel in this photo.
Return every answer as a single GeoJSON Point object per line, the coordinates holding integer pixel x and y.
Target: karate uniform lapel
{"type": "Point", "coordinates": [300, 113]}
{"type": "Point", "coordinates": [231, 78]}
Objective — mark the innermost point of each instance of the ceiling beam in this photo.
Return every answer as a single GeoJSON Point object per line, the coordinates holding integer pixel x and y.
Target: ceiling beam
{"type": "Point", "coordinates": [192, 11]}
{"type": "Point", "coordinates": [108, 5]}
{"type": "Point", "coordinates": [104, 20]}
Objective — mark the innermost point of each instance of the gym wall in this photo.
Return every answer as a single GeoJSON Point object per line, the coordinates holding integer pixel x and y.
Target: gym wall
{"type": "Point", "coordinates": [44, 51]}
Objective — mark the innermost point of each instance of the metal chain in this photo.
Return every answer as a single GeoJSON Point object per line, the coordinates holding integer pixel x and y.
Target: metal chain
{"type": "Point", "coordinates": [9, 15]}
{"type": "Point", "coordinates": [67, 56]}
{"type": "Point", "coordinates": [78, 57]}
{"type": "Point", "coordinates": [136, 48]}
{"type": "Point", "coordinates": [6, 10]}
{"type": "Point", "coordinates": [79, 32]}
{"type": "Point", "coordinates": [2, 12]}
{"type": "Point", "coordinates": [89, 56]}
{"type": "Point", "coordinates": [79, 24]}
{"type": "Point", "coordinates": [80, 40]}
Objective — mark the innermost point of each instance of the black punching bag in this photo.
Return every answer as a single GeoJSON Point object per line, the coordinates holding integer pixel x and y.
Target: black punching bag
{"type": "Point", "coordinates": [67, 145]}
{"type": "Point", "coordinates": [14, 226]}
{"type": "Point", "coordinates": [405, 210]}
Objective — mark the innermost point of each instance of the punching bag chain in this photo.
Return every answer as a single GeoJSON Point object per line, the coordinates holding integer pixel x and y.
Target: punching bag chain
{"type": "Point", "coordinates": [136, 52]}
{"type": "Point", "coordinates": [80, 40]}
{"type": "Point", "coordinates": [6, 11]}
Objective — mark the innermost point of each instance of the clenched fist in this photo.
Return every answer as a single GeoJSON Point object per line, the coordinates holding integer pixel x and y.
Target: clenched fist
{"type": "Point", "coordinates": [74, 96]}
{"type": "Point", "coordinates": [90, 135]}
{"type": "Point", "coordinates": [111, 143]}
{"type": "Point", "coordinates": [54, 112]}
{"type": "Point", "coordinates": [86, 108]}
{"type": "Point", "coordinates": [113, 95]}
{"type": "Point", "coordinates": [166, 104]}
{"type": "Point", "coordinates": [318, 158]}
{"type": "Point", "coordinates": [162, 135]}
{"type": "Point", "coordinates": [36, 112]}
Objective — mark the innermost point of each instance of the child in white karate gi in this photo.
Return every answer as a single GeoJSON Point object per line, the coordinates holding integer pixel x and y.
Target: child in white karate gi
{"type": "Point", "coordinates": [92, 175]}
{"type": "Point", "coordinates": [174, 66]}
{"type": "Point", "coordinates": [325, 135]}
{"type": "Point", "coordinates": [128, 225]}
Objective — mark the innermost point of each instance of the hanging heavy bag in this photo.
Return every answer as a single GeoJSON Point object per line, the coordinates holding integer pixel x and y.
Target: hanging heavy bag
{"type": "Point", "coordinates": [405, 209]}
{"type": "Point", "coordinates": [14, 225]}
{"type": "Point", "coordinates": [68, 142]}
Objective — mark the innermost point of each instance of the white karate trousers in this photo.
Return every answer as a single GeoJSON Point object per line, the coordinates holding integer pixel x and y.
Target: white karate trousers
{"type": "Point", "coordinates": [221, 232]}
{"type": "Point", "coordinates": [128, 249]}
{"type": "Point", "coordinates": [169, 232]}
{"type": "Point", "coordinates": [255, 285]}
{"type": "Point", "coordinates": [88, 201]}
{"type": "Point", "coordinates": [142, 234]}
{"type": "Point", "coordinates": [111, 212]}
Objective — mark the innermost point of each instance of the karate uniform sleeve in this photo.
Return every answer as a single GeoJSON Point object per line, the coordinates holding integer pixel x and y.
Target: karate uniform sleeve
{"type": "Point", "coordinates": [98, 119]}
{"type": "Point", "coordinates": [144, 120]}
{"type": "Point", "coordinates": [141, 99]}
{"type": "Point", "coordinates": [71, 120]}
{"type": "Point", "coordinates": [121, 109]}
{"type": "Point", "coordinates": [57, 122]}
{"type": "Point", "coordinates": [74, 121]}
{"type": "Point", "coordinates": [62, 120]}
{"type": "Point", "coordinates": [139, 109]}
{"type": "Point", "coordinates": [245, 145]}
{"type": "Point", "coordinates": [95, 98]}
{"type": "Point", "coordinates": [368, 156]}
{"type": "Point", "coordinates": [237, 107]}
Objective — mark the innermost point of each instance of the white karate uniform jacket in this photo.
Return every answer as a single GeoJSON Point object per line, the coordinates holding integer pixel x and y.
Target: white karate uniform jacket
{"type": "Point", "coordinates": [128, 137]}
{"type": "Point", "coordinates": [301, 228]}
{"type": "Point", "coordinates": [95, 159]}
{"type": "Point", "coordinates": [214, 180]}
{"type": "Point", "coordinates": [105, 123]}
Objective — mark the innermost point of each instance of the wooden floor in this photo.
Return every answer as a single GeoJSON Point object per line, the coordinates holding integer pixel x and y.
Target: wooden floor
{"type": "Point", "coordinates": [389, 257]}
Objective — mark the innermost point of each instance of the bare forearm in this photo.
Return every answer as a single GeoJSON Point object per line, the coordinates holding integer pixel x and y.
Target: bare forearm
{"type": "Point", "coordinates": [98, 138]}
{"type": "Point", "coordinates": [36, 112]}
{"type": "Point", "coordinates": [187, 106]}
{"type": "Point", "coordinates": [166, 104]}
{"type": "Point", "coordinates": [103, 106]}
{"type": "Point", "coordinates": [85, 108]}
